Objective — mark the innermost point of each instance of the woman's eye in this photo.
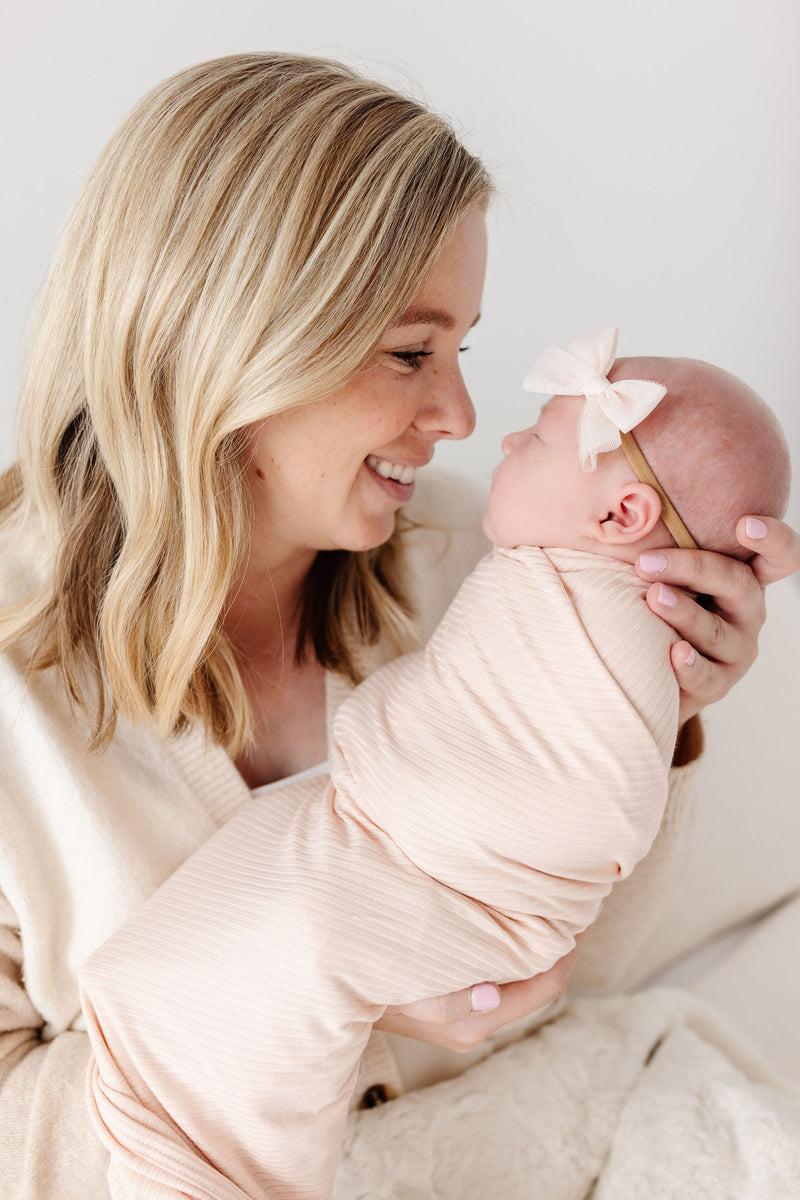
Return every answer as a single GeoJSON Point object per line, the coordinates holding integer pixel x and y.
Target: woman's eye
{"type": "Point", "coordinates": [412, 358]}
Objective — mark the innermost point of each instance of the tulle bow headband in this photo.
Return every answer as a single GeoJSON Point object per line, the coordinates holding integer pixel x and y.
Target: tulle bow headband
{"type": "Point", "coordinates": [611, 410]}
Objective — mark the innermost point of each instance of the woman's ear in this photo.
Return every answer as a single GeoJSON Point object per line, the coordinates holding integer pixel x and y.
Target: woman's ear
{"type": "Point", "coordinates": [635, 512]}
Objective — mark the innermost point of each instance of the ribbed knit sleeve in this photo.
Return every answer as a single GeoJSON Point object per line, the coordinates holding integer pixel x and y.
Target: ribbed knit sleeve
{"type": "Point", "coordinates": [485, 795]}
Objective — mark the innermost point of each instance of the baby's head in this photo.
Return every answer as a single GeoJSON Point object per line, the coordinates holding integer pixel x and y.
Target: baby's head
{"type": "Point", "coordinates": [714, 446]}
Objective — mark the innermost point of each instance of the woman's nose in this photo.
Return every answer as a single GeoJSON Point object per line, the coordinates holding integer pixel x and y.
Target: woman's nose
{"type": "Point", "coordinates": [450, 412]}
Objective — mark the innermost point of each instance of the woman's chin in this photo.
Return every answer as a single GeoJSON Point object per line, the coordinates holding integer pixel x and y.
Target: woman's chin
{"type": "Point", "coordinates": [371, 533]}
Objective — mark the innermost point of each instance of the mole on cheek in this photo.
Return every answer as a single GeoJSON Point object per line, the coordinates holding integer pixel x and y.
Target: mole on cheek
{"type": "Point", "coordinates": [260, 473]}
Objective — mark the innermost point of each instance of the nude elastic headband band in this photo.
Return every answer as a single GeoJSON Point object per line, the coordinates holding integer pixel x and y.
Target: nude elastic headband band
{"type": "Point", "coordinates": [645, 474]}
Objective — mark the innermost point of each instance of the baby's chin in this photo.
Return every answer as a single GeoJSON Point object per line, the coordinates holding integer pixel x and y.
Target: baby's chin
{"type": "Point", "coordinates": [504, 542]}
{"type": "Point", "coordinates": [497, 539]}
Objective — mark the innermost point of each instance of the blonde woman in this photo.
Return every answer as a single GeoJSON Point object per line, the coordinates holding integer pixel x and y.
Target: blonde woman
{"type": "Point", "coordinates": [247, 347]}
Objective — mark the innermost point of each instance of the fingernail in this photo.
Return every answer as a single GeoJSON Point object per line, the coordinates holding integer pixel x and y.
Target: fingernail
{"type": "Point", "coordinates": [690, 657]}
{"type": "Point", "coordinates": [755, 528]}
{"type": "Point", "coordinates": [666, 596]}
{"type": "Point", "coordinates": [484, 997]}
{"type": "Point", "coordinates": [652, 563]}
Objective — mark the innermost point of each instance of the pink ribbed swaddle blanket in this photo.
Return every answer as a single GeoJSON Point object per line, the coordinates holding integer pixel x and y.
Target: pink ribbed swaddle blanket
{"type": "Point", "coordinates": [485, 794]}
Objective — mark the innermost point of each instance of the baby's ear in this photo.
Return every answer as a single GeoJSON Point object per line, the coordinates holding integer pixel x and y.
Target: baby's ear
{"type": "Point", "coordinates": [635, 512]}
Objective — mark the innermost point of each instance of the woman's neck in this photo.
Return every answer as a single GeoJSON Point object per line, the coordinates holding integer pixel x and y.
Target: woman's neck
{"type": "Point", "coordinates": [264, 606]}
{"type": "Point", "coordinates": [286, 697]}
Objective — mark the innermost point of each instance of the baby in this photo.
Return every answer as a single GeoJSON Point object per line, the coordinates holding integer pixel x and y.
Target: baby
{"type": "Point", "coordinates": [485, 794]}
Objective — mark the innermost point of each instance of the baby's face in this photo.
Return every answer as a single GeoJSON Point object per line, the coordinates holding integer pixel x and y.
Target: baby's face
{"type": "Point", "coordinates": [540, 495]}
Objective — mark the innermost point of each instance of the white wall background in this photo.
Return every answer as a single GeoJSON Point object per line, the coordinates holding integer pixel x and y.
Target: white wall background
{"type": "Point", "coordinates": [646, 150]}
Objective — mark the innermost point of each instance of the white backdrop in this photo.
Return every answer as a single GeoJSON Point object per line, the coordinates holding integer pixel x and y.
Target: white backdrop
{"type": "Point", "coordinates": [646, 152]}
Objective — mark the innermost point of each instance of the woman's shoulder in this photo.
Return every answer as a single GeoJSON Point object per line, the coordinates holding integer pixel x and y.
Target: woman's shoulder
{"type": "Point", "coordinates": [444, 542]}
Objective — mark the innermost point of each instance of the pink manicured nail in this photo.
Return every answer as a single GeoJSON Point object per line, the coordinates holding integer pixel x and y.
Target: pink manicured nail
{"type": "Point", "coordinates": [690, 657]}
{"type": "Point", "coordinates": [666, 596]}
{"type": "Point", "coordinates": [652, 563]}
{"type": "Point", "coordinates": [755, 528]}
{"type": "Point", "coordinates": [484, 997]}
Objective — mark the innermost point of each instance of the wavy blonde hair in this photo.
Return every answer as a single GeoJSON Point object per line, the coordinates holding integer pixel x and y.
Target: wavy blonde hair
{"type": "Point", "coordinates": [241, 246]}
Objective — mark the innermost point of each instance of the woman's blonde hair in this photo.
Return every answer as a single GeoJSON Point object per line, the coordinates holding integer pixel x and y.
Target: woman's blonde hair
{"type": "Point", "coordinates": [241, 246]}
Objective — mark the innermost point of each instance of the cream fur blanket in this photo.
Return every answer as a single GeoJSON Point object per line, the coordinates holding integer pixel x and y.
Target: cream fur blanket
{"type": "Point", "coordinates": [651, 1095]}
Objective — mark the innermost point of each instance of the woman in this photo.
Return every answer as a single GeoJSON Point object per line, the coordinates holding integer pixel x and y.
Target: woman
{"type": "Point", "coordinates": [248, 344]}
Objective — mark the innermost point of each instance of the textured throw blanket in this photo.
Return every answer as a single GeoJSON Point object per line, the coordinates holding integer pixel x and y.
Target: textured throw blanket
{"type": "Point", "coordinates": [651, 1095]}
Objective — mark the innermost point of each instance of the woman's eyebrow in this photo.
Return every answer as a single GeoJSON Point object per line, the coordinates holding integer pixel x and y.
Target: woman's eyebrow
{"type": "Point", "coordinates": [429, 316]}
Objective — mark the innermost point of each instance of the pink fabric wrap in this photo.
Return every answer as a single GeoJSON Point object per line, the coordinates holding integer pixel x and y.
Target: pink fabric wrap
{"type": "Point", "coordinates": [485, 795]}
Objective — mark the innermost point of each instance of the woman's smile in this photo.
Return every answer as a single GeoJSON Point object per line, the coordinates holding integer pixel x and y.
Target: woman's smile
{"type": "Point", "coordinates": [395, 478]}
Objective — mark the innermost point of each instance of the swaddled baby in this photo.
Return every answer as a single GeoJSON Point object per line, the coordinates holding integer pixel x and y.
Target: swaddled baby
{"type": "Point", "coordinates": [485, 794]}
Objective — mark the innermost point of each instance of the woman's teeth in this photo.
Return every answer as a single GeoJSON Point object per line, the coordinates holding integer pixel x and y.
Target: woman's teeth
{"type": "Point", "coordinates": [390, 470]}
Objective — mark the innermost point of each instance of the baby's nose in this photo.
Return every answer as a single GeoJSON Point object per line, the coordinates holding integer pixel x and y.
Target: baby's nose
{"type": "Point", "coordinates": [512, 440]}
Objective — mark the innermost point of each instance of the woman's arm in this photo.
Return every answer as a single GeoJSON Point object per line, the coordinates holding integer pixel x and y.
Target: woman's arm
{"type": "Point", "coordinates": [48, 1146]}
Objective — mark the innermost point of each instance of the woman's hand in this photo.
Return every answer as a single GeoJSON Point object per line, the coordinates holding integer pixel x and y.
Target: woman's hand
{"type": "Point", "coordinates": [721, 641]}
{"type": "Point", "coordinates": [462, 1020]}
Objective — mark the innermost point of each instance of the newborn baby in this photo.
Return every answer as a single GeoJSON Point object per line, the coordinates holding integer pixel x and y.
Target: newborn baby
{"type": "Point", "coordinates": [485, 794]}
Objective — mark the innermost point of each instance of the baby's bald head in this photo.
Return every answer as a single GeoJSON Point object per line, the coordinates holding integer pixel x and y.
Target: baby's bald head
{"type": "Point", "coordinates": [715, 446]}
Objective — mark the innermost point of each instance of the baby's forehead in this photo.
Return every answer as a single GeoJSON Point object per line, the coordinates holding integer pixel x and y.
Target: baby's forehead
{"type": "Point", "coordinates": [563, 406]}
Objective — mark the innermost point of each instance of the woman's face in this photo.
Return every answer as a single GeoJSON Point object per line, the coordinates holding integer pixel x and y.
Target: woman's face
{"type": "Point", "coordinates": [332, 474]}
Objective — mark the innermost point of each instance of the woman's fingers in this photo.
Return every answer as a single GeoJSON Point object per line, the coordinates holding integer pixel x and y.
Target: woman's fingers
{"type": "Point", "coordinates": [776, 544]}
{"type": "Point", "coordinates": [704, 630]}
{"type": "Point", "coordinates": [719, 638]}
{"type": "Point", "coordinates": [459, 1022]}
{"type": "Point", "coordinates": [700, 682]}
{"type": "Point", "coordinates": [732, 584]}
{"type": "Point", "coordinates": [456, 1006]}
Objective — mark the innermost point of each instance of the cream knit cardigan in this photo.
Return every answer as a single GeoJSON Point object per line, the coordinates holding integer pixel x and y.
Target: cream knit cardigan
{"type": "Point", "coordinates": [84, 839]}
